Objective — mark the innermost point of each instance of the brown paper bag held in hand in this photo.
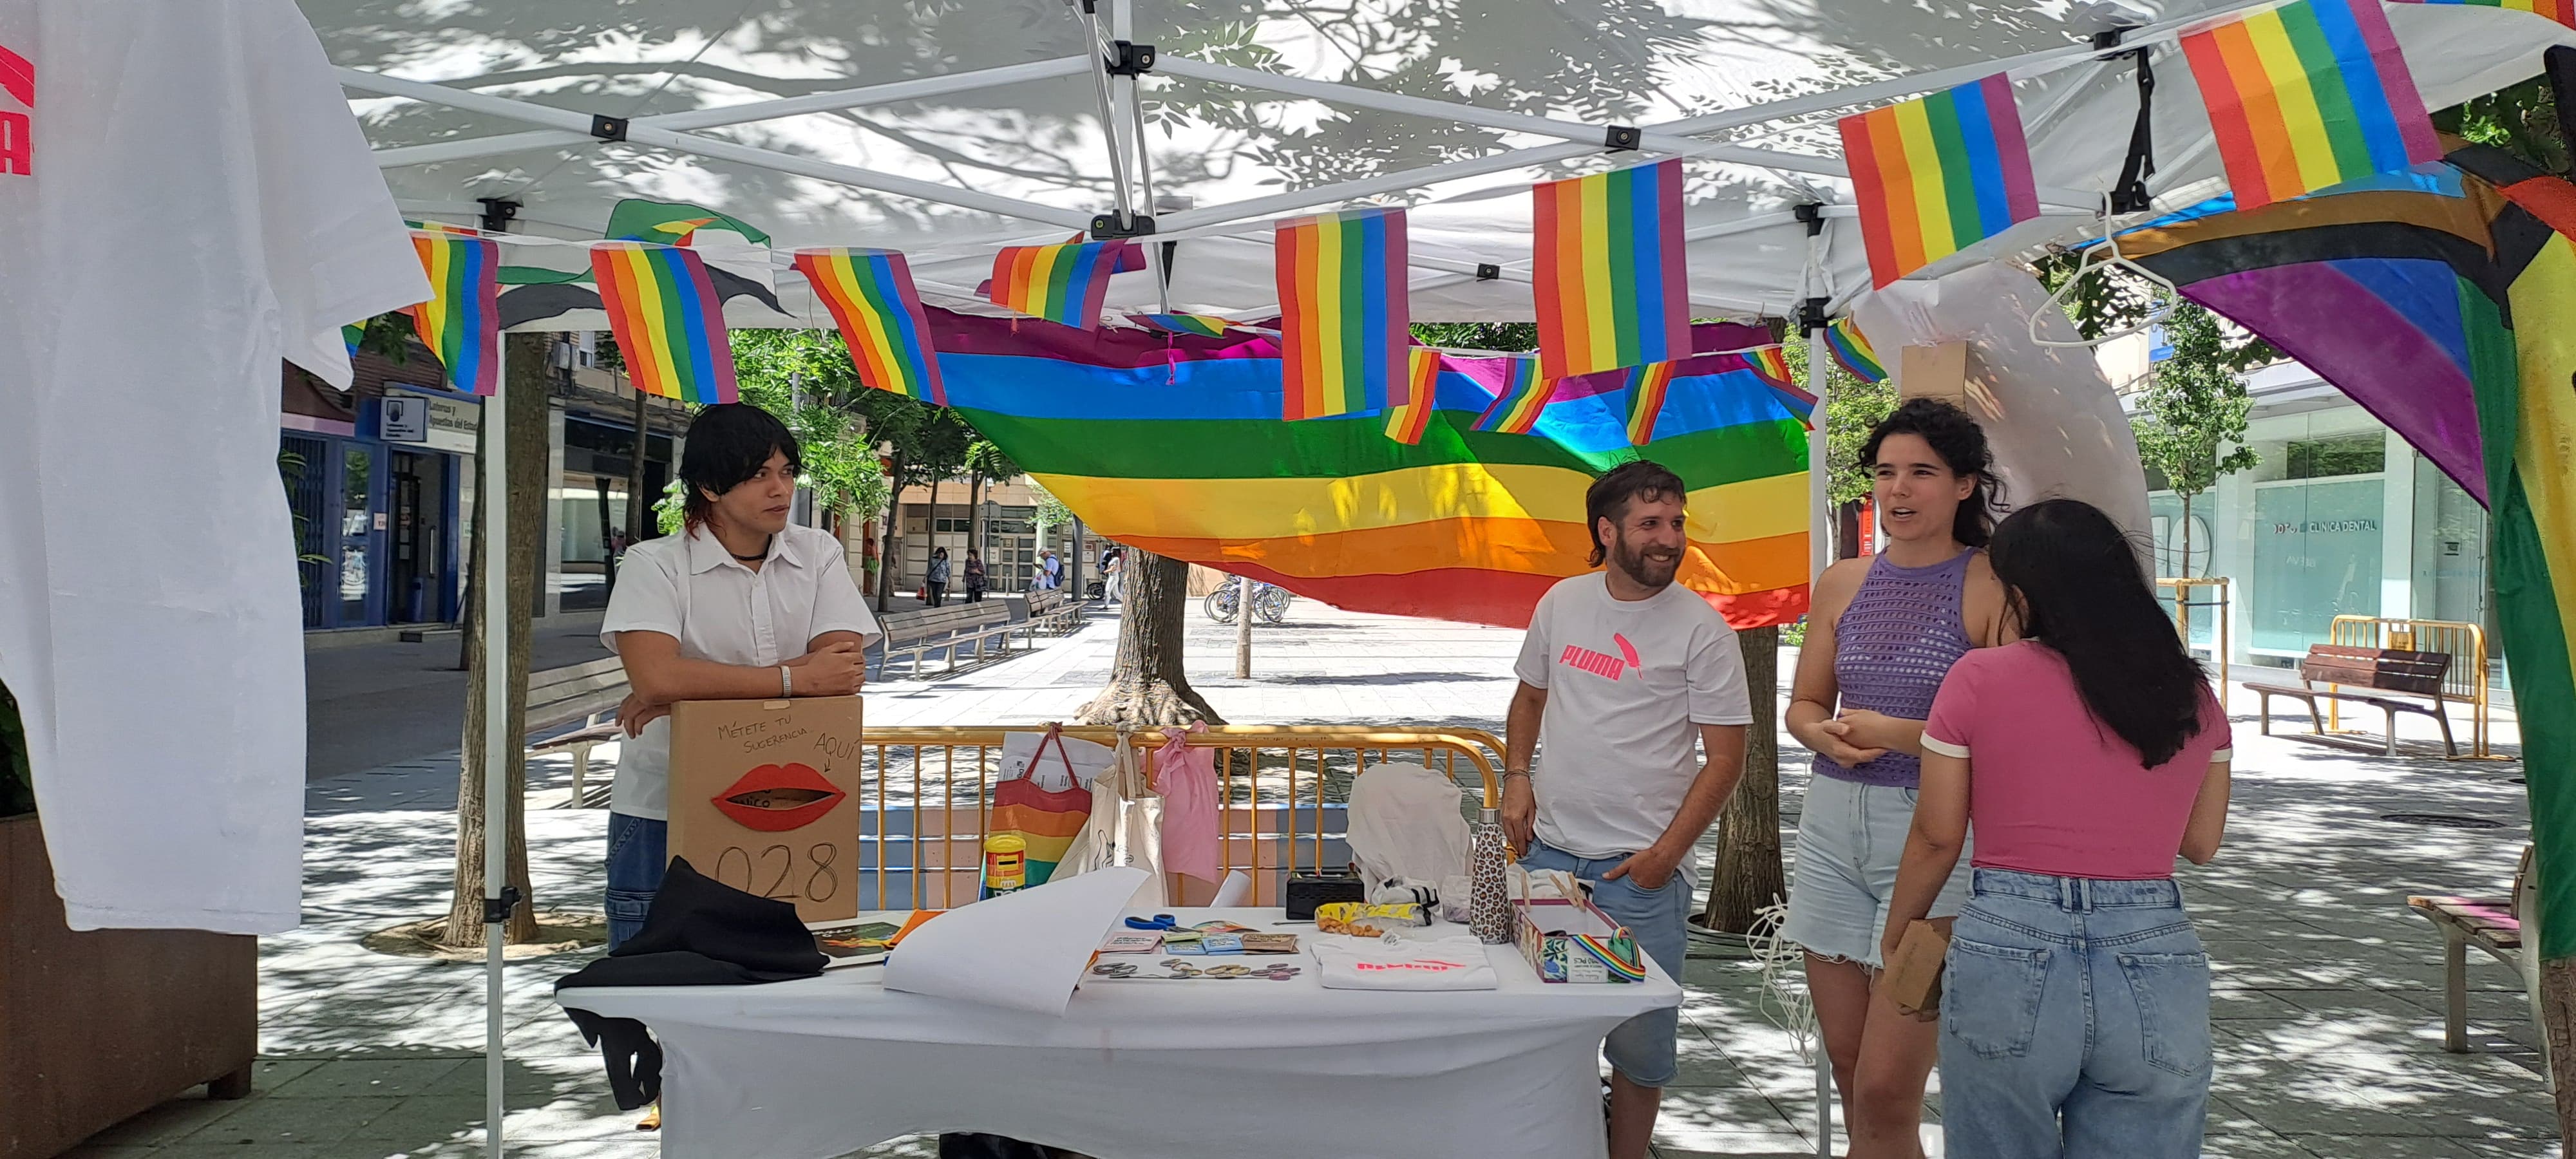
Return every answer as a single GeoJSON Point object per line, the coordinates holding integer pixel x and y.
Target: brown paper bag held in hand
{"type": "Point", "coordinates": [1913, 978]}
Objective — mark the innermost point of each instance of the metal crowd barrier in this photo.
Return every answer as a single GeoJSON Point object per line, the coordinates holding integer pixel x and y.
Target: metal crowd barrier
{"type": "Point", "coordinates": [2465, 643]}
{"type": "Point", "coordinates": [926, 795]}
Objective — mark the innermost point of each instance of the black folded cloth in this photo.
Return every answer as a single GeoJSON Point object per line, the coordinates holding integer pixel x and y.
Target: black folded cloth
{"type": "Point", "coordinates": [700, 932]}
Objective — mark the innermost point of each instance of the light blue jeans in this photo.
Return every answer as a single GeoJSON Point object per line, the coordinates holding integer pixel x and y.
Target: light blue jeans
{"type": "Point", "coordinates": [638, 853]}
{"type": "Point", "coordinates": [1641, 1048]}
{"type": "Point", "coordinates": [2074, 1021]}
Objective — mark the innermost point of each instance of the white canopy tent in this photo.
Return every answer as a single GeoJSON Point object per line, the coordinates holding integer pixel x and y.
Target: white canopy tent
{"type": "Point", "coordinates": [949, 132]}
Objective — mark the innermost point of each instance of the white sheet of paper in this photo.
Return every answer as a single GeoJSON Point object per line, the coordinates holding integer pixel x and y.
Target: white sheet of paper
{"type": "Point", "coordinates": [1024, 951]}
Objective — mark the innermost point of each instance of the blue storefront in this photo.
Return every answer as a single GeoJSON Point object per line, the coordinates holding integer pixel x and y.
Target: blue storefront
{"type": "Point", "coordinates": [379, 507]}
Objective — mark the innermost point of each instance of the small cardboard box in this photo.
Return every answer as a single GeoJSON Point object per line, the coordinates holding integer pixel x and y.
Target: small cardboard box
{"type": "Point", "coordinates": [1568, 939]}
{"type": "Point", "coordinates": [765, 798]}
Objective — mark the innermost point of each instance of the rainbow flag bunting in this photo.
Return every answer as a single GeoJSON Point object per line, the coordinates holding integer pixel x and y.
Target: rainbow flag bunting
{"type": "Point", "coordinates": [1408, 417]}
{"type": "Point", "coordinates": [2306, 96]}
{"type": "Point", "coordinates": [461, 321]}
{"type": "Point", "coordinates": [667, 318]}
{"type": "Point", "coordinates": [1852, 349]}
{"type": "Point", "coordinates": [1609, 281]}
{"type": "Point", "coordinates": [1646, 387]}
{"type": "Point", "coordinates": [871, 297]}
{"type": "Point", "coordinates": [1772, 363]}
{"type": "Point", "coordinates": [353, 334]}
{"type": "Point", "coordinates": [1937, 174]}
{"type": "Point", "coordinates": [1061, 283]}
{"type": "Point", "coordinates": [1517, 405]}
{"type": "Point", "coordinates": [1343, 324]}
{"type": "Point", "coordinates": [2562, 11]}
{"type": "Point", "coordinates": [1202, 325]}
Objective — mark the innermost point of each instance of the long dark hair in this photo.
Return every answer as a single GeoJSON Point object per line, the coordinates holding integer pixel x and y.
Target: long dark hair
{"type": "Point", "coordinates": [727, 444]}
{"type": "Point", "coordinates": [2074, 580]}
{"type": "Point", "coordinates": [1961, 443]}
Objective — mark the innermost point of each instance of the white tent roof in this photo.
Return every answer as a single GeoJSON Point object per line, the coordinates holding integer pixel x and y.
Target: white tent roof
{"type": "Point", "coordinates": [949, 131]}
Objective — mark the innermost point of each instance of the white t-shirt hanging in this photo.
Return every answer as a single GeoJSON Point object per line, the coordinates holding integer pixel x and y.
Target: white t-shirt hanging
{"type": "Point", "coordinates": [1628, 683]}
{"type": "Point", "coordinates": [185, 199]}
{"type": "Point", "coordinates": [688, 587]}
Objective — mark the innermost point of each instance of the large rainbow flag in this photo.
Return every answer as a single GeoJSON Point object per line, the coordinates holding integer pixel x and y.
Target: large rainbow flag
{"type": "Point", "coordinates": [668, 320]}
{"type": "Point", "coordinates": [1343, 318]}
{"type": "Point", "coordinates": [1937, 174]}
{"type": "Point", "coordinates": [1174, 444]}
{"type": "Point", "coordinates": [870, 294]}
{"type": "Point", "coordinates": [1609, 280]}
{"type": "Point", "coordinates": [2444, 300]}
{"type": "Point", "coordinates": [461, 321]}
{"type": "Point", "coordinates": [2306, 96]}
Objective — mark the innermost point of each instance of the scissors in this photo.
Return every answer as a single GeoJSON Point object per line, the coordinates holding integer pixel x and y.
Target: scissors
{"type": "Point", "coordinates": [1157, 922]}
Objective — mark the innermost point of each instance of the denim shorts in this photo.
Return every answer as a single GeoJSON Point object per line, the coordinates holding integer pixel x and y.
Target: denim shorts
{"type": "Point", "coordinates": [638, 853]}
{"type": "Point", "coordinates": [1642, 1047]}
{"type": "Point", "coordinates": [1850, 838]}
{"type": "Point", "coordinates": [2075, 1021]}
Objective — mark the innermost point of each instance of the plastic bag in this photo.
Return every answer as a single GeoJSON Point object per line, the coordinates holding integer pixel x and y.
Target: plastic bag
{"type": "Point", "coordinates": [1404, 823]}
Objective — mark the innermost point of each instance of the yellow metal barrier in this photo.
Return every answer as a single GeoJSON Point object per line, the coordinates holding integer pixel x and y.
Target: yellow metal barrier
{"type": "Point", "coordinates": [2465, 644]}
{"type": "Point", "coordinates": [2185, 598]}
{"type": "Point", "coordinates": [926, 795]}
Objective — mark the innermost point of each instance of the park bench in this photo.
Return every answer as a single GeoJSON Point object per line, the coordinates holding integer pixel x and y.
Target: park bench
{"type": "Point", "coordinates": [586, 692]}
{"type": "Point", "coordinates": [2388, 679]}
{"type": "Point", "coordinates": [1052, 613]}
{"type": "Point", "coordinates": [954, 628]}
{"type": "Point", "coordinates": [2492, 924]}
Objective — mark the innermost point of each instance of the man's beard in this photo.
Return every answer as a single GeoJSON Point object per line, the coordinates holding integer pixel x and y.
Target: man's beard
{"type": "Point", "coordinates": [1646, 571]}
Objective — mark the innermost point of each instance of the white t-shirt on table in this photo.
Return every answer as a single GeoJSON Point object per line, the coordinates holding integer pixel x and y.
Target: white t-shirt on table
{"type": "Point", "coordinates": [688, 587]}
{"type": "Point", "coordinates": [1628, 684]}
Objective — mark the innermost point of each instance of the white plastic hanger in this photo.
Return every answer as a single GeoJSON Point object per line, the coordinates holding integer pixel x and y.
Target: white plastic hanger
{"type": "Point", "coordinates": [2103, 258]}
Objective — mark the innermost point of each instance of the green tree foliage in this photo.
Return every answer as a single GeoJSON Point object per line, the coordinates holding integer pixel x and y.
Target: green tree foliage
{"type": "Point", "coordinates": [1514, 337]}
{"type": "Point", "coordinates": [807, 381]}
{"type": "Point", "coordinates": [2190, 421]}
{"type": "Point", "coordinates": [2521, 120]}
{"type": "Point", "coordinates": [1853, 405]}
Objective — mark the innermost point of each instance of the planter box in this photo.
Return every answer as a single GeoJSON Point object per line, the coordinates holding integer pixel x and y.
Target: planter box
{"type": "Point", "coordinates": [98, 1027]}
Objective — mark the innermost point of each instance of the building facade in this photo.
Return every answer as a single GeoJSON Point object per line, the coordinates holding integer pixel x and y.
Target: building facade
{"type": "Point", "coordinates": [1010, 541]}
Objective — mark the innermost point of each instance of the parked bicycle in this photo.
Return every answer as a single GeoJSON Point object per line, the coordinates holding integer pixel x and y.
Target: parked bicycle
{"type": "Point", "coordinates": [1269, 603]}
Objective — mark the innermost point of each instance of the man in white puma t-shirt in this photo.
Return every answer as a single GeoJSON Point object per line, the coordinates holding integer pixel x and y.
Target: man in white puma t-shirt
{"type": "Point", "coordinates": [1622, 675]}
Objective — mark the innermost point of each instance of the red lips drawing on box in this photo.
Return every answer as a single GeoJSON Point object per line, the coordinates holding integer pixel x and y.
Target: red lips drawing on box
{"type": "Point", "coordinates": [777, 798]}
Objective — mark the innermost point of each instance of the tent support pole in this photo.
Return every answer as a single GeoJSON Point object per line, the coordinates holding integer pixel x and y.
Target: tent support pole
{"type": "Point", "coordinates": [496, 589]}
{"type": "Point", "coordinates": [1820, 554]}
{"type": "Point", "coordinates": [1276, 204]}
{"type": "Point", "coordinates": [1109, 120]}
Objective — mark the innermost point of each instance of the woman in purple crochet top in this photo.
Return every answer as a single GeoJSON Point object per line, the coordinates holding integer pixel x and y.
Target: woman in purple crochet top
{"type": "Point", "coordinates": [1881, 633]}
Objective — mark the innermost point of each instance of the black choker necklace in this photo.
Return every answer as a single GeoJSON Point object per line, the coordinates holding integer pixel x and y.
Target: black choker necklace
{"type": "Point", "coordinates": [761, 554]}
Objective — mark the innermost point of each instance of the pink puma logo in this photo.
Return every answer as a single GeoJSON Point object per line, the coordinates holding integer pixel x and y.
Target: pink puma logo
{"type": "Point", "coordinates": [1584, 659]}
{"type": "Point", "coordinates": [18, 79]}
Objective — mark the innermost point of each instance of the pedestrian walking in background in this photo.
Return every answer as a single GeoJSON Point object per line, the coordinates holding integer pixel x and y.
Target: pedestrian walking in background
{"type": "Point", "coordinates": [1113, 573]}
{"type": "Point", "coordinates": [1884, 631]}
{"type": "Point", "coordinates": [1622, 676]}
{"type": "Point", "coordinates": [974, 576]}
{"type": "Point", "coordinates": [2075, 1006]}
{"type": "Point", "coordinates": [937, 584]}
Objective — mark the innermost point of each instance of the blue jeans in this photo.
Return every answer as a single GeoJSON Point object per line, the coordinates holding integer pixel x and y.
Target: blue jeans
{"type": "Point", "coordinates": [1642, 1047]}
{"type": "Point", "coordinates": [638, 853]}
{"type": "Point", "coordinates": [2074, 1021]}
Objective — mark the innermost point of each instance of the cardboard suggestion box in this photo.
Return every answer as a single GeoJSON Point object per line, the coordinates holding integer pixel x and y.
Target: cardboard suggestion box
{"type": "Point", "coordinates": [765, 798]}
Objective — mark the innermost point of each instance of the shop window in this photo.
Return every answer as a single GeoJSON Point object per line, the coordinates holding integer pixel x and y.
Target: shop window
{"type": "Point", "coordinates": [2316, 555]}
{"type": "Point", "coordinates": [2360, 454]}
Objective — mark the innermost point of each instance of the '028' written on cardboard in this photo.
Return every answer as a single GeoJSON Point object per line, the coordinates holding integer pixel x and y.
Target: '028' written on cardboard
{"type": "Point", "coordinates": [765, 798]}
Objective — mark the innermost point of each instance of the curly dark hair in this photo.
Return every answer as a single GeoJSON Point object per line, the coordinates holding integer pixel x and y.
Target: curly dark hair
{"type": "Point", "coordinates": [1609, 496]}
{"type": "Point", "coordinates": [1961, 443]}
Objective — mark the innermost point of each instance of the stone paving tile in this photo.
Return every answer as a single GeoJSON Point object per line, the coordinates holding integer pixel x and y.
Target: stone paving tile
{"type": "Point", "coordinates": [2327, 1008]}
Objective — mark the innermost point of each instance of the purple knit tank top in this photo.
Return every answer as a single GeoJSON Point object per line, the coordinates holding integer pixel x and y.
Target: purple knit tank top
{"type": "Point", "coordinates": [1902, 632]}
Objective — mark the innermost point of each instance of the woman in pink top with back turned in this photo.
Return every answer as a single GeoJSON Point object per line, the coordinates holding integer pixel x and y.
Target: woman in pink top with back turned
{"type": "Point", "coordinates": [2075, 1002]}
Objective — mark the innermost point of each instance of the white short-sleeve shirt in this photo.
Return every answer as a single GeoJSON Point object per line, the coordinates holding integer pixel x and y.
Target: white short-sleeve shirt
{"type": "Point", "coordinates": [1628, 684]}
{"type": "Point", "coordinates": [688, 587]}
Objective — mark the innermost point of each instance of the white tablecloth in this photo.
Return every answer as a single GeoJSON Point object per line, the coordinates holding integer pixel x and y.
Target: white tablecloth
{"type": "Point", "coordinates": [1139, 1069]}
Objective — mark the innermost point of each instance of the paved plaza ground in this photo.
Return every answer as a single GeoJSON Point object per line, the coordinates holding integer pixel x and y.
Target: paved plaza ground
{"type": "Point", "coordinates": [2327, 1012]}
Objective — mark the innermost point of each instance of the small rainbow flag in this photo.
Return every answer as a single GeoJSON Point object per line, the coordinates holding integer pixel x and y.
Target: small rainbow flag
{"type": "Point", "coordinates": [1937, 174]}
{"type": "Point", "coordinates": [2562, 11]}
{"type": "Point", "coordinates": [1408, 417]}
{"type": "Point", "coordinates": [1609, 278]}
{"type": "Point", "coordinates": [1060, 283]}
{"type": "Point", "coordinates": [2308, 95]}
{"type": "Point", "coordinates": [871, 297]}
{"type": "Point", "coordinates": [461, 321]}
{"type": "Point", "coordinates": [353, 334]}
{"type": "Point", "coordinates": [1343, 324]}
{"type": "Point", "coordinates": [667, 318]}
{"type": "Point", "coordinates": [1852, 349]}
{"type": "Point", "coordinates": [1772, 363]}
{"type": "Point", "coordinates": [1646, 387]}
{"type": "Point", "coordinates": [1202, 325]}
{"type": "Point", "coordinates": [1516, 408]}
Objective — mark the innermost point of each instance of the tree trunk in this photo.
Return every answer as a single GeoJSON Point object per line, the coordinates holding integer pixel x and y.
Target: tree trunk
{"type": "Point", "coordinates": [1747, 876]}
{"type": "Point", "coordinates": [466, 616]}
{"type": "Point", "coordinates": [2186, 537]}
{"type": "Point", "coordinates": [975, 516]}
{"type": "Point", "coordinates": [887, 543]}
{"type": "Point", "coordinates": [2558, 1032]}
{"type": "Point", "coordinates": [525, 401]}
{"type": "Point", "coordinates": [638, 504]}
{"type": "Point", "coordinates": [1147, 685]}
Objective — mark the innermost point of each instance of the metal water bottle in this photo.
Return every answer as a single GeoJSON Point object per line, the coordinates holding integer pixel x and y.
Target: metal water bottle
{"type": "Point", "coordinates": [1489, 909]}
